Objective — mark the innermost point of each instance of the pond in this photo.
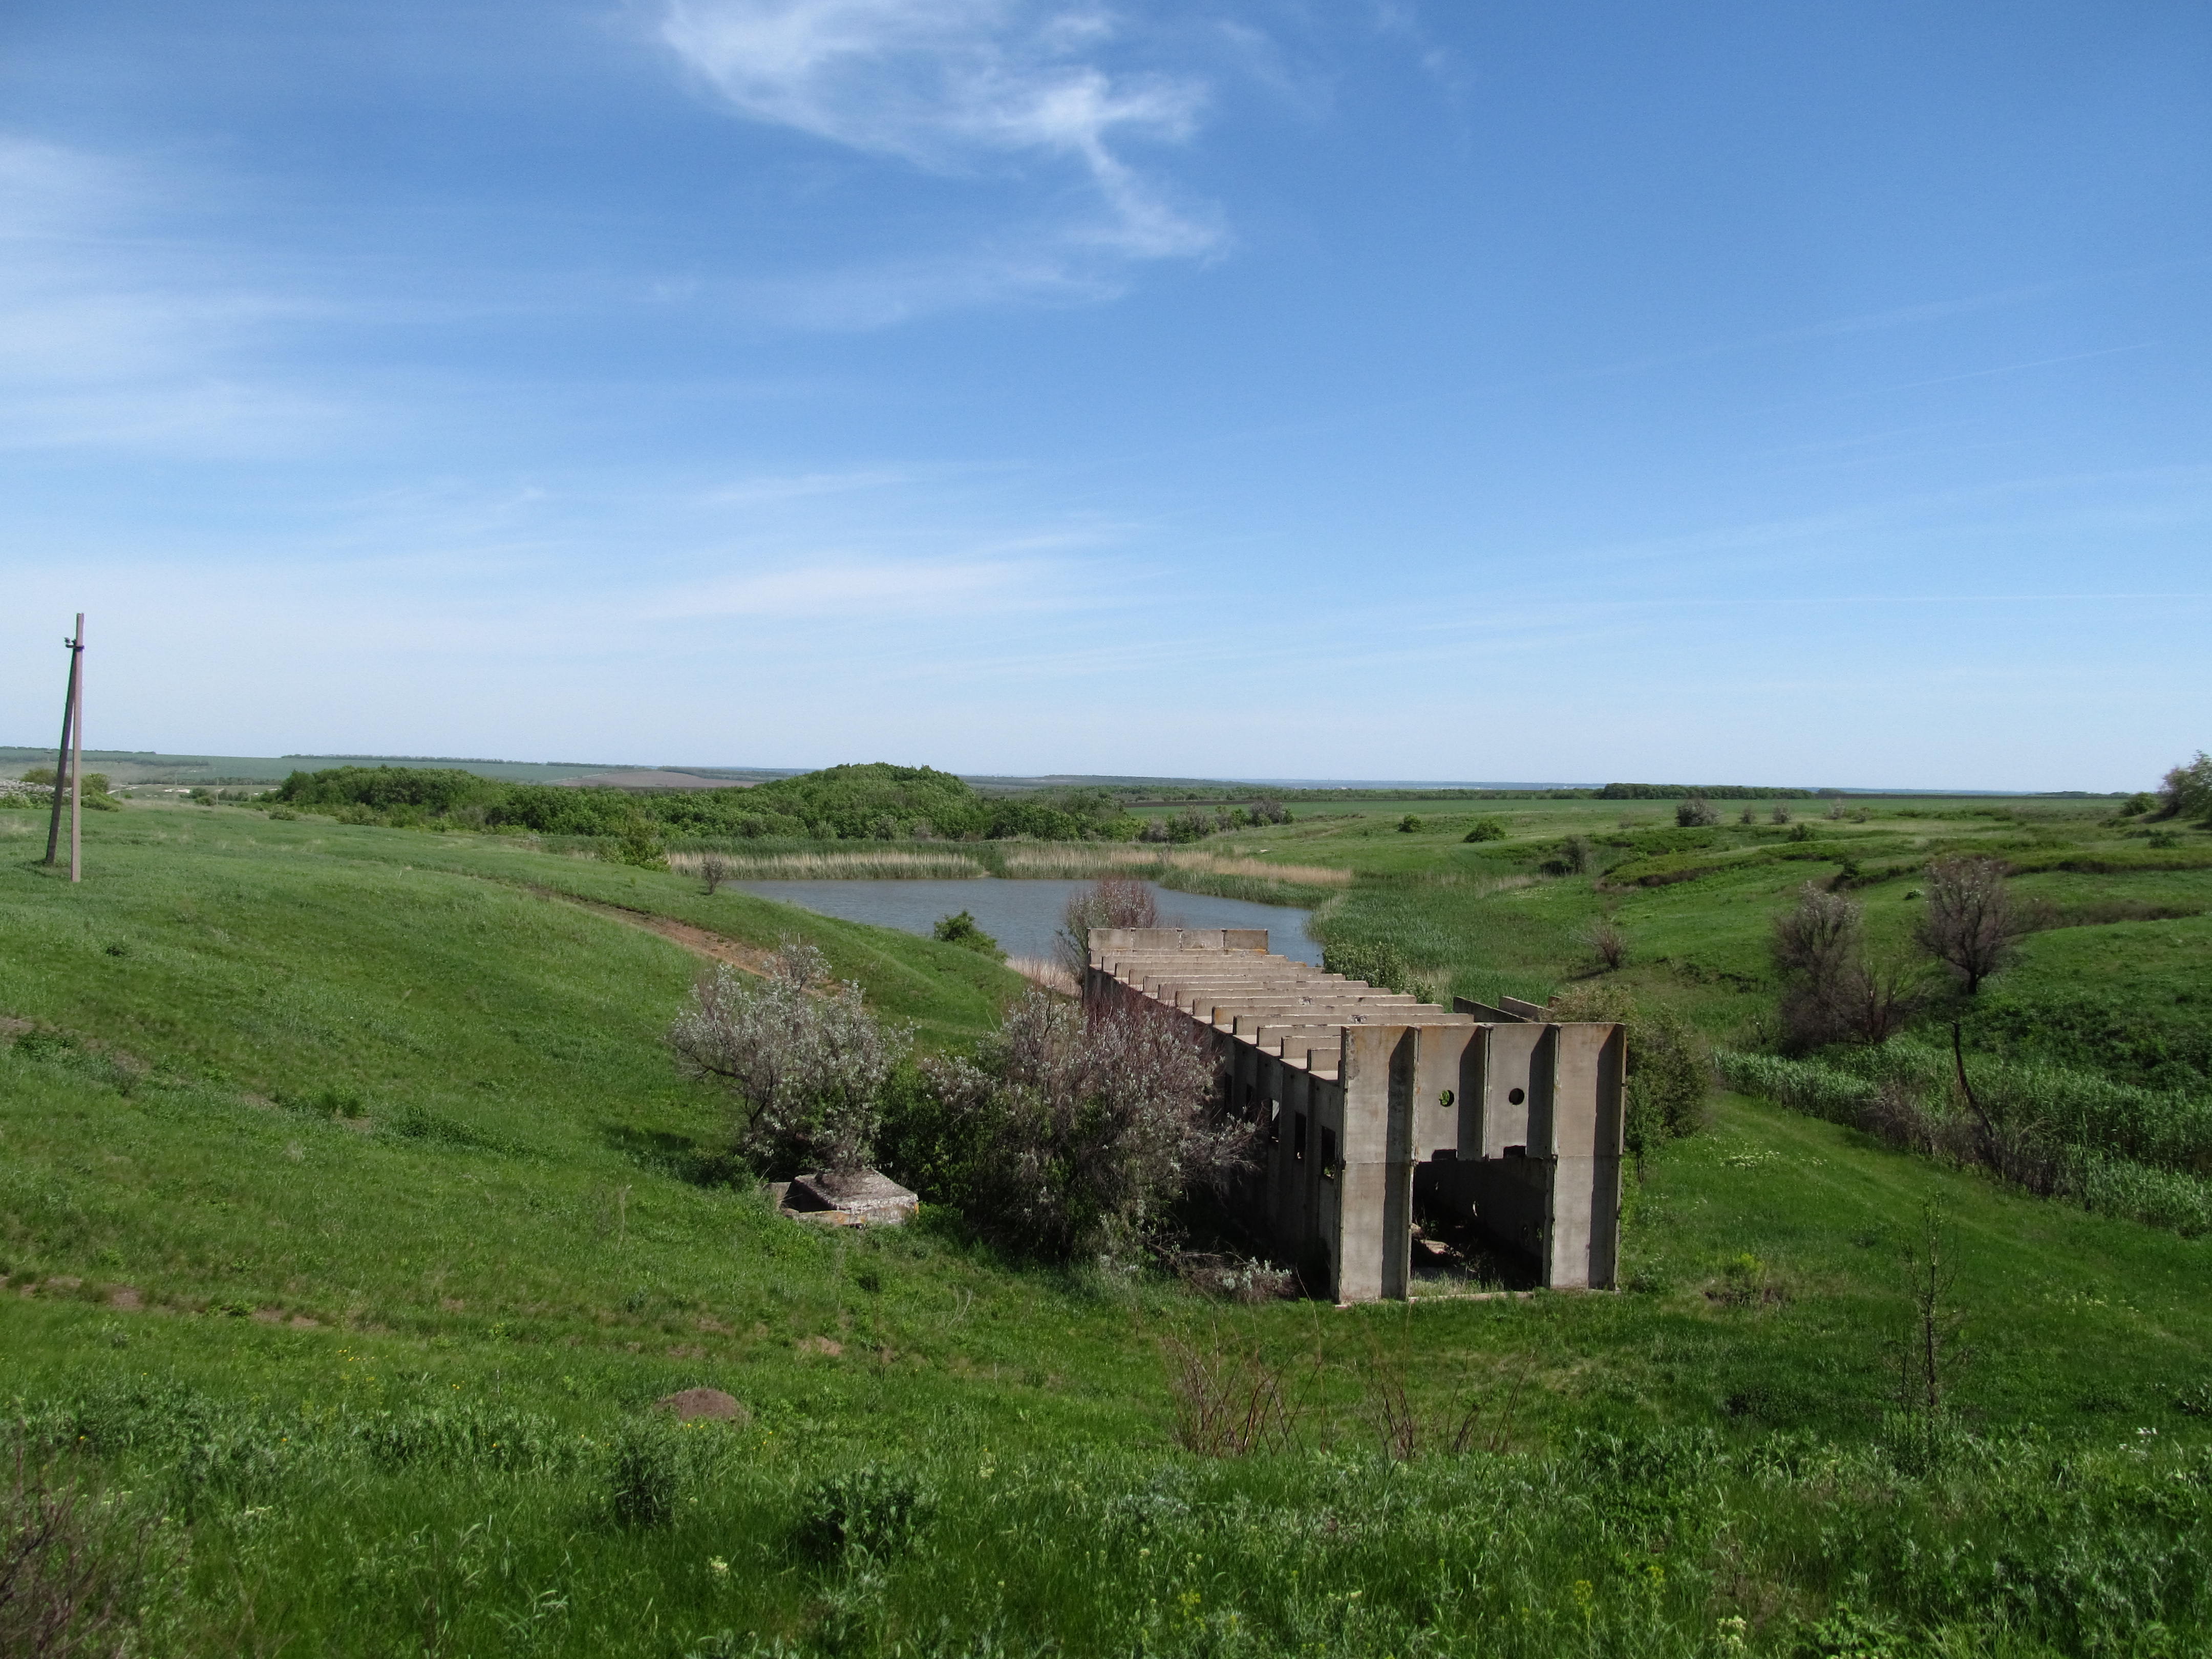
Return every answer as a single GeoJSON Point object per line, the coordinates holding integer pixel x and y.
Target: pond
{"type": "Point", "coordinates": [1023, 915]}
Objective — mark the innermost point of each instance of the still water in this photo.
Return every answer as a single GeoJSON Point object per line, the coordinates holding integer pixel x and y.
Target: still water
{"type": "Point", "coordinates": [1023, 915]}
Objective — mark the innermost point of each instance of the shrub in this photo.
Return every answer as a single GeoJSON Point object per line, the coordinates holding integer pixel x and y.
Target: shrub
{"type": "Point", "coordinates": [638, 843]}
{"type": "Point", "coordinates": [962, 930]}
{"type": "Point", "coordinates": [1669, 1067]}
{"type": "Point", "coordinates": [1695, 813]}
{"type": "Point", "coordinates": [1383, 965]}
{"type": "Point", "coordinates": [714, 870]}
{"type": "Point", "coordinates": [1192, 824]}
{"type": "Point", "coordinates": [1109, 902]}
{"type": "Point", "coordinates": [1408, 825]}
{"type": "Point", "coordinates": [1081, 1130]}
{"type": "Point", "coordinates": [1578, 855]}
{"type": "Point", "coordinates": [806, 1058]}
{"type": "Point", "coordinates": [1969, 924]}
{"type": "Point", "coordinates": [1817, 950]}
{"type": "Point", "coordinates": [1780, 814]}
{"type": "Point", "coordinates": [1831, 991]}
{"type": "Point", "coordinates": [872, 1508]}
{"type": "Point", "coordinates": [2186, 791]}
{"type": "Point", "coordinates": [1607, 943]}
{"type": "Point", "coordinates": [1485, 830]}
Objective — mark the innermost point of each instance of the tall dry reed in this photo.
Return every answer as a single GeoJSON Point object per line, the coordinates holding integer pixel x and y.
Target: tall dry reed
{"type": "Point", "coordinates": [1077, 863]}
{"type": "Point", "coordinates": [885, 866]}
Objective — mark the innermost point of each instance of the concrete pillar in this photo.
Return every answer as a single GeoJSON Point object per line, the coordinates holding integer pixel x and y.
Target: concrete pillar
{"type": "Point", "coordinates": [1584, 1243]}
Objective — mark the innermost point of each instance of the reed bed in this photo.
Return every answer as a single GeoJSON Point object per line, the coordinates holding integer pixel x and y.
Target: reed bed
{"type": "Point", "coordinates": [1078, 862]}
{"type": "Point", "coordinates": [1044, 972]}
{"type": "Point", "coordinates": [885, 866]}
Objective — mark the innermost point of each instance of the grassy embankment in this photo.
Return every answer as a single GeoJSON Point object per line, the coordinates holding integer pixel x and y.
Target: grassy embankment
{"type": "Point", "coordinates": [349, 1209]}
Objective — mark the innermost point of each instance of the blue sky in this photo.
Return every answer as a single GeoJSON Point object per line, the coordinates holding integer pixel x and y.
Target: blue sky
{"type": "Point", "coordinates": [1735, 391]}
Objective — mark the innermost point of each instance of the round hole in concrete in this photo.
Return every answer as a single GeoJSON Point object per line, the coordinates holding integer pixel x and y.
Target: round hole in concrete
{"type": "Point", "coordinates": [1517, 1095]}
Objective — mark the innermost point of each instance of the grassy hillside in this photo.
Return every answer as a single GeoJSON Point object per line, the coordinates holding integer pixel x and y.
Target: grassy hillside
{"type": "Point", "coordinates": [1495, 916]}
{"type": "Point", "coordinates": [351, 1215]}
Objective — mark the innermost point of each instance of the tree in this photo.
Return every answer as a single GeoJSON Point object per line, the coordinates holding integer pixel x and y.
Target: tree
{"type": "Point", "coordinates": [1969, 924]}
{"type": "Point", "coordinates": [1830, 991]}
{"type": "Point", "coordinates": [2186, 791]}
{"type": "Point", "coordinates": [1109, 902]}
{"type": "Point", "coordinates": [805, 1058]}
{"type": "Point", "coordinates": [1818, 951]}
{"type": "Point", "coordinates": [1081, 1130]}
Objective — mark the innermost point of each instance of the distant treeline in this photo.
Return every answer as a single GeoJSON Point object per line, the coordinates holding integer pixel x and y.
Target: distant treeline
{"type": "Point", "coordinates": [874, 802]}
{"type": "Point", "coordinates": [1611, 792]}
{"type": "Point", "coordinates": [1685, 791]}
{"type": "Point", "coordinates": [1210, 797]}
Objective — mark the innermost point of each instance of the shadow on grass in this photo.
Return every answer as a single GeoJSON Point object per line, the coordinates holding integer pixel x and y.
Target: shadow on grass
{"type": "Point", "coordinates": [680, 1156]}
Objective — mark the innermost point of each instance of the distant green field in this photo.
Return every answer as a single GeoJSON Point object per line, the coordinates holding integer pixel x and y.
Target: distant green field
{"type": "Point", "coordinates": [350, 1210]}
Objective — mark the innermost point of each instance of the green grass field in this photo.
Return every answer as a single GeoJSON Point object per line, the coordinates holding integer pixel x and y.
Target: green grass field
{"type": "Point", "coordinates": [352, 1214]}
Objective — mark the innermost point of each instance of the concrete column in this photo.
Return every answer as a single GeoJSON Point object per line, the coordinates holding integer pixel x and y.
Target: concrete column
{"type": "Point", "coordinates": [1583, 1246]}
{"type": "Point", "coordinates": [1373, 1219]}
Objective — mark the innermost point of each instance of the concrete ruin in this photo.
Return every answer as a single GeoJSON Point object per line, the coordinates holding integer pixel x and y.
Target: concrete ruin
{"type": "Point", "coordinates": [1378, 1107]}
{"type": "Point", "coordinates": [849, 1198]}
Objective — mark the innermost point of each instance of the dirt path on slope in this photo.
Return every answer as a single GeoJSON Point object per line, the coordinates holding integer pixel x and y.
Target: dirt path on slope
{"type": "Point", "coordinates": [715, 947]}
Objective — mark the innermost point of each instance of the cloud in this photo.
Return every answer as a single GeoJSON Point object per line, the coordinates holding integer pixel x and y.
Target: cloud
{"type": "Point", "coordinates": [963, 87]}
{"type": "Point", "coordinates": [109, 338]}
{"type": "Point", "coordinates": [869, 589]}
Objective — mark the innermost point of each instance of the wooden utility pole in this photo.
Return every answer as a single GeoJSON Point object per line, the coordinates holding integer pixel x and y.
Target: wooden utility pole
{"type": "Point", "coordinates": [76, 758]}
{"type": "Point", "coordinates": [61, 755]}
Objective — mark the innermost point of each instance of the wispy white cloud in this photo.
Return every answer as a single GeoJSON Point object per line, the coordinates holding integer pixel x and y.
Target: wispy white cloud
{"type": "Point", "coordinates": [855, 589]}
{"type": "Point", "coordinates": [966, 88]}
{"type": "Point", "coordinates": [107, 338]}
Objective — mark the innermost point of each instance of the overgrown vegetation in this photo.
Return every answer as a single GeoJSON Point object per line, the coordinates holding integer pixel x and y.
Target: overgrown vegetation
{"type": "Point", "coordinates": [876, 802]}
{"type": "Point", "coordinates": [805, 1057]}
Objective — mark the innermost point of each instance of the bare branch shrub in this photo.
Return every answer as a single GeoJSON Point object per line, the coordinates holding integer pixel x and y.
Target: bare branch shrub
{"type": "Point", "coordinates": [1408, 1433]}
{"type": "Point", "coordinates": [70, 1569]}
{"type": "Point", "coordinates": [1696, 812]}
{"type": "Point", "coordinates": [1608, 942]}
{"type": "Point", "coordinates": [1835, 808]}
{"type": "Point", "coordinates": [1780, 814]}
{"type": "Point", "coordinates": [714, 870]}
{"type": "Point", "coordinates": [806, 1058]}
{"type": "Point", "coordinates": [1230, 1401]}
{"type": "Point", "coordinates": [1082, 1129]}
{"type": "Point", "coordinates": [1109, 902]}
{"type": "Point", "coordinates": [1880, 999]}
{"type": "Point", "coordinates": [1817, 949]}
{"type": "Point", "coordinates": [1969, 924]}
